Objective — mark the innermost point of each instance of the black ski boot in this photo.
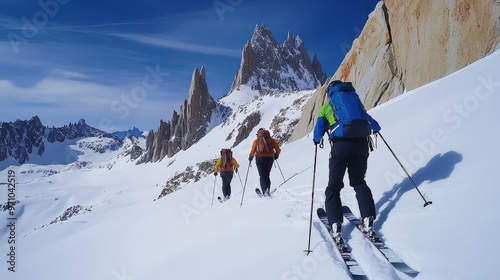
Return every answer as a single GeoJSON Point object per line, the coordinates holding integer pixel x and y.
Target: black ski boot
{"type": "Point", "coordinates": [366, 226]}
{"type": "Point", "coordinates": [336, 232]}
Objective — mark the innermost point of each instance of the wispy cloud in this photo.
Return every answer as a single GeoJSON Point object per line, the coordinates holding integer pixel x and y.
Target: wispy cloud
{"type": "Point", "coordinates": [59, 101]}
{"type": "Point", "coordinates": [12, 25]}
{"type": "Point", "coordinates": [88, 69]}
{"type": "Point", "coordinates": [66, 74]}
{"type": "Point", "coordinates": [163, 32]}
{"type": "Point", "coordinates": [178, 45]}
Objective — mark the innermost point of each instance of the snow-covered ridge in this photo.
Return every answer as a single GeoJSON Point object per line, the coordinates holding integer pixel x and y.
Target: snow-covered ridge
{"type": "Point", "coordinates": [29, 141]}
{"type": "Point", "coordinates": [129, 233]}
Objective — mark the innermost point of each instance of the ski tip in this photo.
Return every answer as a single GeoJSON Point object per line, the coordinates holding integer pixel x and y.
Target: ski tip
{"type": "Point", "coordinates": [359, 277]}
{"type": "Point", "coordinates": [320, 211]}
{"type": "Point", "coordinates": [403, 267]}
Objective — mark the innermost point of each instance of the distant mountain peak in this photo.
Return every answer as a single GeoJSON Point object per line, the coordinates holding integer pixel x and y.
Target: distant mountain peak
{"type": "Point", "coordinates": [131, 132]}
{"type": "Point", "coordinates": [262, 33]}
{"type": "Point", "coordinates": [267, 66]}
{"type": "Point", "coordinates": [22, 139]}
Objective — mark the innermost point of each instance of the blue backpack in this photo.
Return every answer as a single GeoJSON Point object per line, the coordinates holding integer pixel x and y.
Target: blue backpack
{"type": "Point", "coordinates": [351, 118]}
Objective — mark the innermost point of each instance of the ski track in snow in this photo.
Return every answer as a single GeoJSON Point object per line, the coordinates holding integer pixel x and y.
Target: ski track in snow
{"type": "Point", "coordinates": [297, 202]}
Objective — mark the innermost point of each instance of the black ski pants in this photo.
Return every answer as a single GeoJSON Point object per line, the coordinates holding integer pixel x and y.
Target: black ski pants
{"type": "Point", "coordinates": [264, 166]}
{"type": "Point", "coordinates": [353, 157]}
{"type": "Point", "coordinates": [226, 176]}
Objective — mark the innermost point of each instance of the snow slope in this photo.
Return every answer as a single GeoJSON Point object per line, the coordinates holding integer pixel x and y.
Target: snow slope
{"type": "Point", "coordinates": [444, 133]}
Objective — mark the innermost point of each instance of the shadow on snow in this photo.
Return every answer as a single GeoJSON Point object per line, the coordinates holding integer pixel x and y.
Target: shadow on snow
{"type": "Point", "coordinates": [438, 168]}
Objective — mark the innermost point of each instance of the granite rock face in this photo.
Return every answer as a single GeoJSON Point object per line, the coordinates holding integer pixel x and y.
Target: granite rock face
{"type": "Point", "coordinates": [407, 44]}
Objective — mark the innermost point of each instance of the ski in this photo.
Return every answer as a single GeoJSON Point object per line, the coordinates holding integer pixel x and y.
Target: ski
{"type": "Point", "coordinates": [353, 267]}
{"type": "Point", "coordinates": [388, 253]}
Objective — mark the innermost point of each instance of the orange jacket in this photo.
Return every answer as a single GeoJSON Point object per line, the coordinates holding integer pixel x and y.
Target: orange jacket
{"type": "Point", "coordinates": [271, 153]}
{"type": "Point", "coordinates": [230, 168]}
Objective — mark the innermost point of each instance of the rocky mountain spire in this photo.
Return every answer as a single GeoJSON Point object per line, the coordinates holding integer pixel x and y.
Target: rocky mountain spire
{"type": "Point", "coordinates": [267, 66]}
{"type": "Point", "coordinates": [318, 70]}
{"type": "Point", "coordinates": [200, 103]}
{"type": "Point", "coordinates": [186, 127]}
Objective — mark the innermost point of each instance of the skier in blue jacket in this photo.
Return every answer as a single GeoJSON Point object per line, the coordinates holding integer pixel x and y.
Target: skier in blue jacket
{"type": "Point", "coordinates": [349, 154]}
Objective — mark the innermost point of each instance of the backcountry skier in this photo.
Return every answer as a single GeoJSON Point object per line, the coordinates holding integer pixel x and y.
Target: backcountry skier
{"type": "Point", "coordinates": [349, 128]}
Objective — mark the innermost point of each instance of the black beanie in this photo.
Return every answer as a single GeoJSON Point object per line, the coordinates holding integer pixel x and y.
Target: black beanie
{"type": "Point", "coordinates": [333, 83]}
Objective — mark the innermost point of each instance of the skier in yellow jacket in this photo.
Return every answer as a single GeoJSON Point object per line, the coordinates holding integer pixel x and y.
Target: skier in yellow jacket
{"type": "Point", "coordinates": [226, 164]}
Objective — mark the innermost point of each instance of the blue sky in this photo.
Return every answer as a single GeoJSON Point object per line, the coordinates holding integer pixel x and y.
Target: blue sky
{"type": "Point", "coordinates": [120, 64]}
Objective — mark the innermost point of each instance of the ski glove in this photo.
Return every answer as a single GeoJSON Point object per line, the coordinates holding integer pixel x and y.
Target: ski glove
{"type": "Point", "coordinates": [236, 170]}
{"type": "Point", "coordinates": [250, 158]}
{"type": "Point", "coordinates": [276, 156]}
{"type": "Point", "coordinates": [315, 142]}
{"type": "Point", "coordinates": [215, 173]}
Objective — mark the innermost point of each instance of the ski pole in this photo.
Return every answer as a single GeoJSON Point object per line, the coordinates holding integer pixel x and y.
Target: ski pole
{"type": "Point", "coordinates": [312, 201]}
{"type": "Point", "coordinates": [289, 179]}
{"type": "Point", "coordinates": [213, 192]}
{"type": "Point", "coordinates": [280, 170]}
{"type": "Point", "coordinates": [240, 180]}
{"type": "Point", "coordinates": [404, 169]}
{"type": "Point", "coordinates": [244, 186]}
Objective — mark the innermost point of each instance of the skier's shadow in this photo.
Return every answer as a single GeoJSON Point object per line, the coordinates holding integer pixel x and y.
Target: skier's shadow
{"type": "Point", "coordinates": [438, 168]}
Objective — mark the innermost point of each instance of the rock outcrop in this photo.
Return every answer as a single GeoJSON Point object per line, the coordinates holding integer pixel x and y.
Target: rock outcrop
{"type": "Point", "coordinates": [407, 44]}
{"type": "Point", "coordinates": [20, 138]}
